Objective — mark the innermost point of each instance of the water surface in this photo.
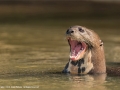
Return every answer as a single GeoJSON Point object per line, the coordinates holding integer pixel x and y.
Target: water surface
{"type": "Point", "coordinates": [33, 55]}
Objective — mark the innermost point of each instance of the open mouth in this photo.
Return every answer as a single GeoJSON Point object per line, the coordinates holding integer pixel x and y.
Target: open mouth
{"type": "Point", "coordinates": [77, 49]}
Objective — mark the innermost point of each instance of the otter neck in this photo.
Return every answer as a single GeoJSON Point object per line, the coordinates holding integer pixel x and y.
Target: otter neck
{"type": "Point", "coordinates": [98, 60]}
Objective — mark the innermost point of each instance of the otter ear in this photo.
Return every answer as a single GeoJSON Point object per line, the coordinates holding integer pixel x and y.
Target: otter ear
{"type": "Point", "coordinates": [101, 43]}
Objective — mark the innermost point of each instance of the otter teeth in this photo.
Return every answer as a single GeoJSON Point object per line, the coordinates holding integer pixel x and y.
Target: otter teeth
{"type": "Point", "coordinates": [81, 48]}
{"type": "Point", "coordinates": [76, 55]}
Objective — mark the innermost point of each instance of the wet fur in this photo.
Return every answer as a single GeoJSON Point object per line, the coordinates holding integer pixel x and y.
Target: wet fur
{"type": "Point", "coordinates": [94, 59]}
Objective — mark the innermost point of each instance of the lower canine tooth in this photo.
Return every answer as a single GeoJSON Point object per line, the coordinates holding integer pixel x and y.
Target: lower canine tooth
{"type": "Point", "coordinates": [81, 48]}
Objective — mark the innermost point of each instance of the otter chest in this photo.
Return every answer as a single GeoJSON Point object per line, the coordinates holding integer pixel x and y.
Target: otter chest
{"type": "Point", "coordinates": [80, 66]}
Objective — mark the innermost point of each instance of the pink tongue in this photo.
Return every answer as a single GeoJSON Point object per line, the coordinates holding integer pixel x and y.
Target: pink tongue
{"type": "Point", "coordinates": [75, 47]}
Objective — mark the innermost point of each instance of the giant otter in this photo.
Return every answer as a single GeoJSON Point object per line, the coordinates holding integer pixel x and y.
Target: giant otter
{"type": "Point", "coordinates": [86, 53]}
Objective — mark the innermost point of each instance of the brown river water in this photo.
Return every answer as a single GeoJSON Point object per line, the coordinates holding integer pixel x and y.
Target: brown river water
{"type": "Point", "coordinates": [32, 56]}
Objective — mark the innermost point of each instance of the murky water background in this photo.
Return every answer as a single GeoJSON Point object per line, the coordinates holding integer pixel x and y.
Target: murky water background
{"type": "Point", "coordinates": [34, 50]}
{"type": "Point", "coordinates": [33, 55]}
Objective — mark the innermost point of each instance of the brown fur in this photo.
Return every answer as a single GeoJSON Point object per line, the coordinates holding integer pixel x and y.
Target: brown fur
{"type": "Point", "coordinates": [98, 57]}
{"type": "Point", "coordinates": [97, 51]}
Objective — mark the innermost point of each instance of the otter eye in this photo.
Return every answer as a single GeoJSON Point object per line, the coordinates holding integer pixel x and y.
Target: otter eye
{"type": "Point", "coordinates": [81, 30]}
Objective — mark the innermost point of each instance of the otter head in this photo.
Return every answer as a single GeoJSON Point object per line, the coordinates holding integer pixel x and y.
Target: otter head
{"type": "Point", "coordinates": [86, 44]}
{"type": "Point", "coordinates": [80, 40]}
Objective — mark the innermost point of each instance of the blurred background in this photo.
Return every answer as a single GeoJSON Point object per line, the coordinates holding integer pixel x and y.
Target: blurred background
{"type": "Point", "coordinates": [24, 11]}
{"type": "Point", "coordinates": [33, 45]}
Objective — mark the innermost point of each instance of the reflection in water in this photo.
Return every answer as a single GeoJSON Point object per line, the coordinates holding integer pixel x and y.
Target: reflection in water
{"type": "Point", "coordinates": [88, 81]}
{"type": "Point", "coordinates": [35, 56]}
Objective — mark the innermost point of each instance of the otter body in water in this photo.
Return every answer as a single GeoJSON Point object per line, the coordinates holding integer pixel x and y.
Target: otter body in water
{"type": "Point", "coordinates": [86, 52]}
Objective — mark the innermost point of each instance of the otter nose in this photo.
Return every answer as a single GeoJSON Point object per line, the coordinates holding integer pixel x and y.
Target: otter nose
{"type": "Point", "coordinates": [69, 31]}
